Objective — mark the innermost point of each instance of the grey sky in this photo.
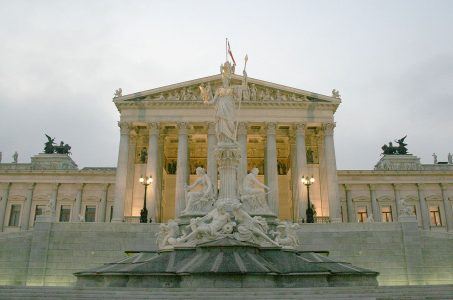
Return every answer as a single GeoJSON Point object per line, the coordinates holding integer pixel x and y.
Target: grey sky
{"type": "Point", "coordinates": [60, 62]}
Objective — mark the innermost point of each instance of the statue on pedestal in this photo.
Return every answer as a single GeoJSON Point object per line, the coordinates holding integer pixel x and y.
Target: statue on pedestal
{"type": "Point", "coordinates": [253, 196]}
{"type": "Point", "coordinates": [197, 201]}
{"type": "Point", "coordinates": [224, 101]}
{"type": "Point", "coordinates": [15, 157]}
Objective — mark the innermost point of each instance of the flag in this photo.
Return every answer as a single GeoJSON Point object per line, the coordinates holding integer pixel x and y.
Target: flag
{"type": "Point", "coordinates": [231, 53]}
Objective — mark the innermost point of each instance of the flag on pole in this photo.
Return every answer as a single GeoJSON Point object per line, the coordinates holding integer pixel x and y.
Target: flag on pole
{"type": "Point", "coordinates": [231, 53]}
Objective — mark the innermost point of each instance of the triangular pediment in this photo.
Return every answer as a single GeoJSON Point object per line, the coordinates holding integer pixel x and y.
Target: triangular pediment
{"type": "Point", "coordinates": [258, 91]}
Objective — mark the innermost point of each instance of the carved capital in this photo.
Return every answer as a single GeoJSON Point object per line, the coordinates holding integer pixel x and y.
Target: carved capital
{"type": "Point", "coordinates": [397, 187]}
{"type": "Point", "coordinates": [347, 187]}
{"type": "Point", "coordinates": [242, 128]}
{"type": "Point", "coordinates": [183, 128]}
{"type": "Point", "coordinates": [271, 128]}
{"type": "Point", "coordinates": [211, 128]}
{"type": "Point", "coordinates": [328, 128]}
{"type": "Point", "coordinates": [105, 187]}
{"type": "Point", "coordinates": [372, 187]}
{"type": "Point", "coordinates": [300, 128]}
{"type": "Point", "coordinates": [443, 186]}
{"type": "Point", "coordinates": [153, 128]}
{"type": "Point", "coordinates": [133, 133]}
{"type": "Point", "coordinates": [124, 127]}
{"type": "Point", "coordinates": [420, 186]}
{"type": "Point", "coordinates": [4, 186]}
{"type": "Point", "coordinates": [31, 186]}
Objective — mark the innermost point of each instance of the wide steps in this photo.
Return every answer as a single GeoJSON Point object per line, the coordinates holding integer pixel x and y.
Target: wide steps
{"type": "Point", "coordinates": [385, 292]}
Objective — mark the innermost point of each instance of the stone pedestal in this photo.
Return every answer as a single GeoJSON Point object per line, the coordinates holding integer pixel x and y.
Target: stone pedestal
{"type": "Point", "coordinates": [390, 162]}
{"type": "Point", "coordinates": [44, 161]}
{"type": "Point", "coordinates": [228, 158]}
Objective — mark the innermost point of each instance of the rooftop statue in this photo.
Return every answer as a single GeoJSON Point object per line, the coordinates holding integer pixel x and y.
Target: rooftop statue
{"type": "Point", "coordinates": [50, 148]}
{"type": "Point", "coordinates": [118, 93]}
{"type": "Point", "coordinates": [336, 93]}
{"type": "Point", "coordinates": [401, 149]}
{"type": "Point", "coordinates": [224, 101]}
{"type": "Point", "coordinates": [15, 157]}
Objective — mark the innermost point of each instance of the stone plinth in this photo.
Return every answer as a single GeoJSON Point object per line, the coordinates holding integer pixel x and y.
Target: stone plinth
{"type": "Point", "coordinates": [407, 162]}
{"type": "Point", "coordinates": [228, 158]}
{"type": "Point", "coordinates": [226, 263]}
{"type": "Point", "coordinates": [44, 161]}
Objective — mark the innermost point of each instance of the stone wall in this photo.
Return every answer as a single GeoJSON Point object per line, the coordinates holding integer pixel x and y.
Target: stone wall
{"type": "Point", "coordinates": [401, 252]}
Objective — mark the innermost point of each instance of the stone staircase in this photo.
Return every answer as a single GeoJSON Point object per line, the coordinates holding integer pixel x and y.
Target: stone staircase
{"type": "Point", "coordinates": [342, 293]}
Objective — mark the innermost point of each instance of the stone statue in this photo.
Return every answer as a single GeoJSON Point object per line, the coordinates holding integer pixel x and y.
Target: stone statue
{"type": "Point", "coordinates": [435, 158]}
{"type": "Point", "coordinates": [201, 230]}
{"type": "Point", "coordinates": [225, 111]}
{"type": "Point", "coordinates": [15, 157]}
{"type": "Point", "coordinates": [251, 229]}
{"type": "Point", "coordinates": [143, 155]}
{"type": "Point", "coordinates": [168, 234]}
{"type": "Point", "coordinates": [335, 93]}
{"type": "Point", "coordinates": [449, 158]}
{"type": "Point", "coordinates": [370, 218]}
{"type": "Point", "coordinates": [198, 200]}
{"type": "Point", "coordinates": [118, 93]}
{"type": "Point", "coordinates": [48, 146]}
{"type": "Point", "coordinates": [253, 92]}
{"type": "Point", "coordinates": [285, 235]}
{"type": "Point", "coordinates": [253, 196]}
{"type": "Point", "coordinates": [81, 218]}
{"type": "Point", "coordinates": [51, 207]}
{"type": "Point", "coordinates": [401, 150]}
{"type": "Point", "coordinates": [405, 209]}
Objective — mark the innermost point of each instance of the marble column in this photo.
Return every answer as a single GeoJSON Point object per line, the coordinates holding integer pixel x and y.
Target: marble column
{"type": "Point", "coordinates": [323, 174]}
{"type": "Point", "coordinates": [332, 178]}
{"type": "Point", "coordinates": [121, 173]}
{"type": "Point", "coordinates": [182, 168]}
{"type": "Point", "coordinates": [159, 181]}
{"type": "Point", "coordinates": [130, 180]}
{"type": "Point", "coordinates": [350, 205]}
{"type": "Point", "coordinates": [212, 160]}
{"type": "Point", "coordinates": [301, 170]}
{"type": "Point", "coordinates": [424, 213]}
{"type": "Point", "coordinates": [4, 193]}
{"type": "Point", "coordinates": [271, 167]}
{"type": "Point", "coordinates": [27, 207]}
{"type": "Point", "coordinates": [294, 180]}
{"type": "Point", "coordinates": [242, 140]}
{"type": "Point", "coordinates": [76, 210]}
{"type": "Point", "coordinates": [152, 170]}
{"type": "Point", "coordinates": [374, 204]}
{"type": "Point", "coordinates": [103, 203]}
{"type": "Point", "coordinates": [397, 191]}
{"type": "Point", "coordinates": [447, 207]}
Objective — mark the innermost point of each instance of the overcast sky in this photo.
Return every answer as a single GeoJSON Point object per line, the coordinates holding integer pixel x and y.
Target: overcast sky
{"type": "Point", "coordinates": [392, 61]}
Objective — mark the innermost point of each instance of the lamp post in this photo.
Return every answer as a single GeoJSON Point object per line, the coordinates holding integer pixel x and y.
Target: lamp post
{"type": "Point", "coordinates": [144, 212]}
{"type": "Point", "coordinates": [308, 181]}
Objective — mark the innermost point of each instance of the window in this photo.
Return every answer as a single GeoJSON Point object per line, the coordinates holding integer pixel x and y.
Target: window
{"type": "Point", "coordinates": [434, 215]}
{"type": "Point", "coordinates": [386, 214]}
{"type": "Point", "coordinates": [65, 213]}
{"type": "Point", "coordinates": [362, 214]}
{"type": "Point", "coordinates": [111, 213]}
{"type": "Point", "coordinates": [39, 210]}
{"type": "Point", "coordinates": [15, 215]}
{"type": "Point", "coordinates": [90, 213]}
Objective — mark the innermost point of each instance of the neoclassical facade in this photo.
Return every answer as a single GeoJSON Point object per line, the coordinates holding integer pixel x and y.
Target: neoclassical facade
{"type": "Point", "coordinates": [168, 132]}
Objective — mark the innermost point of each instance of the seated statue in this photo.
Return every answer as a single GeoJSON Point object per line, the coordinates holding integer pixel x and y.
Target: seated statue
{"type": "Point", "coordinates": [201, 230]}
{"type": "Point", "coordinates": [168, 233]}
{"type": "Point", "coordinates": [405, 209]}
{"type": "Point", "coordinates": [196, 201]}
{"type": "Point", "coordinates": [285, 235]}
{"type": "Point", "coordinates": [253, 195]}
{"type": "Point", "coordinates": [250, 229]}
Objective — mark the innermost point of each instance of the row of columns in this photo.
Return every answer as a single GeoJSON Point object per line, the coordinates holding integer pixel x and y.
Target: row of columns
{"type": "Point", "coordinates": [27, 205]}
{"type": "Point", "coordinates": [424, 210]}
{"type": "Point", "coordinates": [298, 167]}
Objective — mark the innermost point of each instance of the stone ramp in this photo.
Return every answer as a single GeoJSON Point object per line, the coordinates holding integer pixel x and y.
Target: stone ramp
{"type": "Point", "coordinates": [342, 293]}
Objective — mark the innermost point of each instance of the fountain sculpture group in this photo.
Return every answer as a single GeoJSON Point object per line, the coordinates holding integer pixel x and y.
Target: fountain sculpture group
{"type": "Point", "coordinates": [227, 240]}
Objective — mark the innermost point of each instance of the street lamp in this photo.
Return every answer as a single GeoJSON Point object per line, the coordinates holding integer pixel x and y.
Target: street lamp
{"type": "Point", "coordinates": [308, 181]}
{"type": "Point", "coordinates": [144, 212]}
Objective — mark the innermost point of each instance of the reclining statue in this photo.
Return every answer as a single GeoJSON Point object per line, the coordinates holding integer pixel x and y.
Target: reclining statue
{"type": "Point", "coordinates": [200, 201]}
{"type": "Point", "coordinates": [201, 230]}
{"type": "Point", "coordinates": [253, 196]}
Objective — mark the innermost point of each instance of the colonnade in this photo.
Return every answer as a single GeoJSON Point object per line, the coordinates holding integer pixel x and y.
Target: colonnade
{"type": "Point", "coordinates": [298, 165]}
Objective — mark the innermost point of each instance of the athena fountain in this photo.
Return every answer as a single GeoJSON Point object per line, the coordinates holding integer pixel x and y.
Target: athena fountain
{"type": "Point", "coordinates": [228, 238]}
